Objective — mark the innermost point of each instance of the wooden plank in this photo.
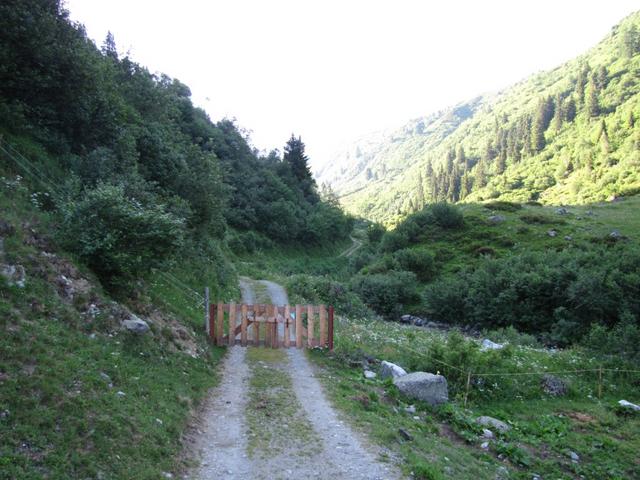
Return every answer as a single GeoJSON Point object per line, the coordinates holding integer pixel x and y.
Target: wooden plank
{"type": "Point", "coordinates": [310, 325]}
{"type": "Point", "coordinates": [267, 327]}
{"type": "Point", "coordinates": [232, 324]}
{"type": "Point", "coordinates": [275, 340]}
{"type": "Point", "coordinates": [331, 328]}
{"type": "Point", "coordinates": [212, 322]}
{"type": "Point", "coordinates": [299, 326]}
{"type": "Point", "coordinates": [287, 319]}
{"type": "Point", "coordinates": [220, 324]}
{"type": "Point", "coordinates": [243, 326]}
{"type": "Point", "coordinates": [323, 326]}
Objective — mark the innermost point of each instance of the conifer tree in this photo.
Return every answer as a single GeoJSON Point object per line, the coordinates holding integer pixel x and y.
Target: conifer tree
{"type": "Point", "coordinates": [591, 102]}
{"type": "Point", "coordinates": [295, 157]}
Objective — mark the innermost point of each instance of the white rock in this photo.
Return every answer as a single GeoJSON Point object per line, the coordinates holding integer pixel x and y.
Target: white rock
{"type": "Point", "coordinates": [632, 406]}
{"type": "Point", "coordinates": [484, 445]}
{"type": "Point", "coordinates": [489, 345]}
{"type": "Point", "coordinates": [121, 394]}
{"type": "Point", "coordinates": [391, 370]}
{"type": "Point", "coordinates": [488, 434]}
{"type": "Point", "coordinates": [574, 456]}
{"type": "Point", "coordinates": [410, 409]}
{"type": "Point", "coordinates": [369, 374]}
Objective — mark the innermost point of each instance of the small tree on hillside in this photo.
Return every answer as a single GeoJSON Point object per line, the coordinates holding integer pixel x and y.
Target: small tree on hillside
{"type": "Point", "coordinates": [297, 160]}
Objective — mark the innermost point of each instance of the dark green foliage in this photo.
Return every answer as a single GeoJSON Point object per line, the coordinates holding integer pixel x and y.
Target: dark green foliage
{"type": "Point", "coordinates": [103, 119]}
{"type": "Point", "coordinates": [504, 206]}
{"type": "Point", "coordinates": [386, 293]}
{"type": "Point", "coordinates": [538, 218]}
{"type": "Point", "coordinates": [323, 290]}
{"type": "Point", "coordinates": [117, 236]}
{"type": "Point", "coordinates": [447, 215]}
{"type": "Point", "coordinates": [418, 261]}
{"type": "Point", "coordinates": [621, 340]}
{"type": "Point", "coordinates": [558, 294]}
{"type": "Point", "coordinates": [375, 231]}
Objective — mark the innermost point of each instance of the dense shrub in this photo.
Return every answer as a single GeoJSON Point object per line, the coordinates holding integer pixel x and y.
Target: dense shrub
{"type": "Point", "coordinates": [555, 294]}
{"type": "Point", "coordinates": [539, 219]}
{"type": "Point", "coordinates": [386, 293]}
{"type": "Point", "coordinates": [623, 339]}
{"type": "Point", "coordinates": [447, 215]}
{"type": "Point", "coordinates": [503, 206]}
{"type": "Point", "coordinates": [117, 236]}
{"type": "Point", "coordinates": [322, 290]}
{"type": "Point", "coordinates": [375, 231]}
{"type": "Point", "coordinates": [418, 261]}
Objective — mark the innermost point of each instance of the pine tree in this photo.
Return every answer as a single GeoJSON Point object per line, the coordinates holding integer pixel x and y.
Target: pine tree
{"type": "Point", "coordinates": [630, 41]}
{"type": "Point", "coordinates": [558, 114]}
{"type": "Point", "coordinates": [480, 179]}
{"type": "Point", "coordinates": [569, 110]}
{"type": "Point", "coordinates": [543, 116]}
{"type": "Point", "coordinates": [109, 47]}
{"type": "Point", "coordinates": [297, 160]}
{"type": "Point", "coordinates": [591, 102]}
{"type": "Point", "coordinates": [420, 193]}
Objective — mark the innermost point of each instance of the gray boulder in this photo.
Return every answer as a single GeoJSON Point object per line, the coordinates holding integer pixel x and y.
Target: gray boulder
{"type": "Point", "coordinates": [554, 386]}
{"type": "Point", "coordinates": [499, 425]}
{"type": "Point", "coordinates": [424, 386]}
{"type": "Point", "coordinates": [496, 219]}
{"type": "Point", "coordinates": [406, 319]}
{"type": "Point", "coordinates": [552, 233]}
{"type": "Point", "coordinates": [6, 229]}
{"type": "Point", "coordinates": [136, 325]}
{"type": "Point", "coordinates": [369, 374]}
{"type": "Point", "coordinates": [562, 211]}
{"type": "Point", "coordinates": [391, 370]}
{"type": "Point", "coordinates": [14, 274]}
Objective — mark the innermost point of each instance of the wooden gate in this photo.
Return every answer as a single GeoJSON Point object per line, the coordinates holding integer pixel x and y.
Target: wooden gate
{"type": "Point", "coordinates": [272, 326]}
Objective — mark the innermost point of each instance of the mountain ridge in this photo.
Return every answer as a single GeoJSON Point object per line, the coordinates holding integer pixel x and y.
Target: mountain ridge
{"type": "Point", "coordinates": [540, 139]}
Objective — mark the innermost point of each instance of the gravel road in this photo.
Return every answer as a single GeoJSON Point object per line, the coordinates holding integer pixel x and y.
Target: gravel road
{"type": "Point", "coordinates": [220, 436]}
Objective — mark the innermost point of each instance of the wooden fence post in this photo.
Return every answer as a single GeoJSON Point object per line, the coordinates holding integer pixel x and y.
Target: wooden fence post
{"type": "Point", "coordinates": [206, 310]}
{"type": "Point", "coordinates": [212, 322]}
{"type": "Point", "coordinates": [243, 331]}
{"type": "Point", "coordinates": [466, 393]}
{"type": "Point", "coordinates": [299, 326]}
{"type": "Point", "coordinates": [331, 328]}
{"type": "Point", "coordinates": [323, 326]}
{"type": "Point", "coordinates": [232, 324]}
{"type": "Point", "coordinates": [310, 325]}
{"type": "Point", "coordinates": [287, 332]}
{"type": "Point", "coordinates": [220, 324]}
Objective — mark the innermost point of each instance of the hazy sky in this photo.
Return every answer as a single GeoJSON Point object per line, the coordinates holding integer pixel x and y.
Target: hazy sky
{"type": "Point", "coordinates": [333, 70]}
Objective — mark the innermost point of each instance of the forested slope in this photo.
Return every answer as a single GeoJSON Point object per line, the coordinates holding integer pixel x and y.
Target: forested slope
{"type": "Point", "coordinates": [569, 135]}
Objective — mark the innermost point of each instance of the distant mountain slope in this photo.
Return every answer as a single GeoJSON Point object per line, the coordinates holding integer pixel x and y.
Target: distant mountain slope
{"type": "Point", "coordinates": [569, 135]}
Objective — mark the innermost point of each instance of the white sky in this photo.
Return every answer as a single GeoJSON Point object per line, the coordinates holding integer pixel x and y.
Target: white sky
{"type": "Point", "coordinates": [331, 70]}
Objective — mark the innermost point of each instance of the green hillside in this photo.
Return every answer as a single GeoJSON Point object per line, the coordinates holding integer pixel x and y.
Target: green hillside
{"type": "Point", "coordinates": [565, 136]}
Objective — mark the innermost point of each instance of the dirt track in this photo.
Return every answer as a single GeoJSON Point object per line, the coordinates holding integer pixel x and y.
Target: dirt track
{"type": "Point", "coordinates": [239, 437]}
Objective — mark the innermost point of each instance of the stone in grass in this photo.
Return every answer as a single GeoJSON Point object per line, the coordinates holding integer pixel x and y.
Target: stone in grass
{"type": "Point", "coordinates": [499, 425]}
{"type": "Point", "coordinates": [488, 434]}
{"type": "Point", "coordinates": [552, 233]}
{"type": "Point", "coordinates": [575, 458]}
{"type": "Point", "coordinates": [489, 345]}
{"type": "Point", "coordinates": [496, 219]}
{"type": "Point", "coordinates": [424, 386]}
{"type": "Point", "coordinates": [368, 374]}
{"type": "Point", "coordinates": [388, 369]}
{"type": "Point", "coordinates": [404, 434]}
{"type": "Point", "coordinates": [135, 324]}
{"type": "Point", "coordinates": [626, 404]}
{"type": "Point", "coordinates": [554, 386]}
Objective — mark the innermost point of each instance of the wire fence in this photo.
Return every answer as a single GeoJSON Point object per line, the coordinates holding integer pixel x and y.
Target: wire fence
{"type": "Point", "coordinates": [469, 373]}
